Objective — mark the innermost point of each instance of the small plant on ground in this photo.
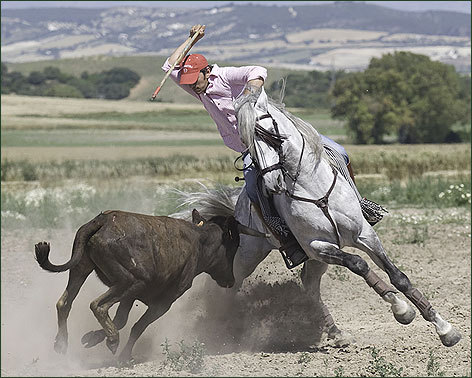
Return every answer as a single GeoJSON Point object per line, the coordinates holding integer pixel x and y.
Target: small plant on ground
{"type": "Point", "coordinates": [189, 358]}
{"type": "Point", "coordinates": [339, 371]}
{"type": "Point", "coordinates": [433, 367]}
{"type": "Point", "coordinates": [340, 273]}
{"type": "Point", "coordinates": [304, 358]}
{"type": "Point", "coordinates": [420, 235]}
{"type": "Point", "coordinates": [412, 235]}
{"type": "Point", "coordinates": [379, 367]}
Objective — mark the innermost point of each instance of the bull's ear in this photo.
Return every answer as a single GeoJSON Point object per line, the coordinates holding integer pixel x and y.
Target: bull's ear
{"type": "Point", "coordinates": [197, 218]}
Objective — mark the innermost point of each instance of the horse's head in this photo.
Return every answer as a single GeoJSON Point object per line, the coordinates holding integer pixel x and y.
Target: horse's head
{"type": "Point", "coordinates": [262, 138]}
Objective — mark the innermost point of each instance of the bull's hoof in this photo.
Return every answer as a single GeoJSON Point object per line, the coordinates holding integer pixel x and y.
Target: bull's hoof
{"type": "Point", "coordinates": [406, 317]}
{"type": "Point", "coordinates": [125, 360]}
{"type": "Point", "coordinates": [93, 338]}
{"type": "Point", "coordinates": [451, 338]}
{"type": "Point", "coordinates": [125, 356]}
{"type": "Point", "coordinates": [60, 345]}
{"type": "Point", "coordinates": [113, 342]}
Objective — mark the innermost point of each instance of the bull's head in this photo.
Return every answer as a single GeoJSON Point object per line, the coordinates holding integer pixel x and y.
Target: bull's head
{"type": "Point", "coordinates": [227, 233]}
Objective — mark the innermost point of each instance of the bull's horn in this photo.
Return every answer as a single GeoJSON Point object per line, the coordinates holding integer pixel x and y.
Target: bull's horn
{"type": "Point", "coordinates": [250, 231]}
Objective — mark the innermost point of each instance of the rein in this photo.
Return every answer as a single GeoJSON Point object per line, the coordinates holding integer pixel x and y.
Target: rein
{"type": "Point", "coordinates": [275, 141]}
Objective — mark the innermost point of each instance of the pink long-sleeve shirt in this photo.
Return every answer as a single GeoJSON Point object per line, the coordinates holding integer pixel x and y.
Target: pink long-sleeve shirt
{"type": "Point", "coordinates": [225, 84]}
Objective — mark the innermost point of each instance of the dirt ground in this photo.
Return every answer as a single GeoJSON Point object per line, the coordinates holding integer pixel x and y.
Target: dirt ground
{"type": "Point", "coordinates": [268, 328]}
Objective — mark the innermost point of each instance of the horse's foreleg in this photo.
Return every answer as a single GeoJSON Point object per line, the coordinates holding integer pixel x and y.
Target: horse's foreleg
{"type": "Point", "coordinates": [246, 260]}
{"type": "Point", "coordinates": [448, 334]}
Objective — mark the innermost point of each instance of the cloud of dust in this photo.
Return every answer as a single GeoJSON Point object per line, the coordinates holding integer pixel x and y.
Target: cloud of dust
{"type": "Point", "coordinates": [261, 316]}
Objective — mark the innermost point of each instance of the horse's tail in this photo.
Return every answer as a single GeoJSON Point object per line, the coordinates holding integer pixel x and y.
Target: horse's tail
{"type": "Point", "coordinates": [220, 200]}
{"type": "Point", "coordinates": [82, 236]}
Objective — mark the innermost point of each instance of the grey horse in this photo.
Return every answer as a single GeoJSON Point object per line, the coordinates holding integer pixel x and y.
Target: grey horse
{"type": "Point", "coordinates": [320, 207]}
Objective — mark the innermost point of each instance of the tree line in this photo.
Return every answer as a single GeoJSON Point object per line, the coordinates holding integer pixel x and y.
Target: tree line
{"type": "Point", "coordinates": [401, 95]}
{"type": "Point", "coordinates": [113, 84]}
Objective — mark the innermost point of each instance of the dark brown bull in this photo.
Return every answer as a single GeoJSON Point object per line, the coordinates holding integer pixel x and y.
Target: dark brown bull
{"type": "Point", "coordinates": [140, 257]}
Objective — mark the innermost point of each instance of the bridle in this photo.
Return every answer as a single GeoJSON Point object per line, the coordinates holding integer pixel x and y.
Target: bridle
{"type": "Point", "coordinates": [275, 140]}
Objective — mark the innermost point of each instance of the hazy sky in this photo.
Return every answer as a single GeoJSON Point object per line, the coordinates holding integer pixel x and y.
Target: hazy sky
{"type": "Point", "coordinates": [457, 6]}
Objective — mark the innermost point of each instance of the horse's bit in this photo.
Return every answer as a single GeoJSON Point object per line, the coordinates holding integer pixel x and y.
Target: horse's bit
{"type": "Point", "coordinates": [275, 141]}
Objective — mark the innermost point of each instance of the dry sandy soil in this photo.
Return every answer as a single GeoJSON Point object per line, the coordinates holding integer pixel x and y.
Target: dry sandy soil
{"type": "Point", "coordinates": [269, 328]}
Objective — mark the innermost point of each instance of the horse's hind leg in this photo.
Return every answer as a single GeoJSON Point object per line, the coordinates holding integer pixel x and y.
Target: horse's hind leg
{"type": "Point", "coordinates": [370, 243]}
{"type": "Point", "coordinates": [93, 338]}
{"type": "Point", "coordinates": [311, 274]}
{"type": "Point", "coordinates": [77, 276]}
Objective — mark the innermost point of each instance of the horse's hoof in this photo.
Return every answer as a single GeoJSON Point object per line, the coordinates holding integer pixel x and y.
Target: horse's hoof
{"type": "Point", "coordinates": [451, 338]}
{"type": "Point", "coordinates": [113, 342]}
{"type": "Point", "coordinates": [93, 338]}
{"type": "Point", "coordinates": [340, 339]}
{"type": "Point", "coordinates": [406, 317]}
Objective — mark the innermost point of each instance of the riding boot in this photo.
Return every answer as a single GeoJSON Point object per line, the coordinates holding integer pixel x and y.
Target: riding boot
{"type": "Point", "coordinates": [291, 251]}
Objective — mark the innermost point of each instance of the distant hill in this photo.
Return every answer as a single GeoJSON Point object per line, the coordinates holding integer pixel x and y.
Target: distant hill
{"type": "Point", "coordinates": [343, 35]}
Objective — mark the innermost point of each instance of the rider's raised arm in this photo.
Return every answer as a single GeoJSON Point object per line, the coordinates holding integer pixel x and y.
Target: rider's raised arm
{"type": "Point", "coordinates": [175, 74]}
{"type": "Point", "coordinates": [200, 29]}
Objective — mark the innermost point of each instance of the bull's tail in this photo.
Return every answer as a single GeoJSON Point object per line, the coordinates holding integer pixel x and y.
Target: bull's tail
{"type": "Point", "coordinates": [82, 236]}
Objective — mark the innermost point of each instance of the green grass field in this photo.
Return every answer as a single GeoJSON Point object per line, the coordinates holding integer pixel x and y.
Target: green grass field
{"type": "Point", "coordinates": [125, 152]}
{"type": "Point", "coordinates": [37, 131]}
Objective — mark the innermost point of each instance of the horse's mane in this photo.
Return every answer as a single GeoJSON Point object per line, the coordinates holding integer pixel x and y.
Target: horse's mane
{"type": "Point", "coordinates": [220, 200]}
{"type": "Point", "coordinates": [246, 115]}
{"type": "Point", "coordinates": [312, 138]}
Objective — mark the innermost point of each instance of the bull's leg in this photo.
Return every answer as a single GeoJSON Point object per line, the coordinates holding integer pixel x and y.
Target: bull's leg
{"type": "Point", "coordinates": [154, 312]}
{"type": "Point", "coordinates": [311, 274]}
{"type": "Point", "coordinates": [100, 307]}
{"type": "Point", "coordinates": [77, 276]}
{"type": "Point", "coordinates": [370, 243]}
{"type": "Point", "coordinates": [93, 338]}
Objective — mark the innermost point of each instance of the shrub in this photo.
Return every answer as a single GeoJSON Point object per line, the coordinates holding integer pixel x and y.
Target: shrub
{"type": "Point", "coordinates": [189, 358]}
{"type": "Point", "coordinates": [379, 367]}
{"type": "Point", "coordinates": [63, 90]}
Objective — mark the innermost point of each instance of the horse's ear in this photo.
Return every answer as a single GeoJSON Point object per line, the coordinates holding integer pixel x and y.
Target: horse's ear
{"type": "Point", "coordinates": [262, 101]}
{"type": "Point", "coordinates": [197, 218]}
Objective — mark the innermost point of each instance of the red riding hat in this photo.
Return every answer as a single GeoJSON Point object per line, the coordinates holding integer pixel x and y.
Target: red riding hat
{"type": "Point", "coordinates": [191, 66]}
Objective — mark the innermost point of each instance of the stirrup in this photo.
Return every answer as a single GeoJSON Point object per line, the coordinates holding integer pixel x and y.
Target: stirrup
{"type": "Point", "coordinates": [372, 211]}
{"type": "Point", "coordinates": [292, 253]}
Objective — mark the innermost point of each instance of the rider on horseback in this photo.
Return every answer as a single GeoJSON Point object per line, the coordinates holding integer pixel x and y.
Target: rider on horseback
{"type": "Point", "coordinates": [217, 87]}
